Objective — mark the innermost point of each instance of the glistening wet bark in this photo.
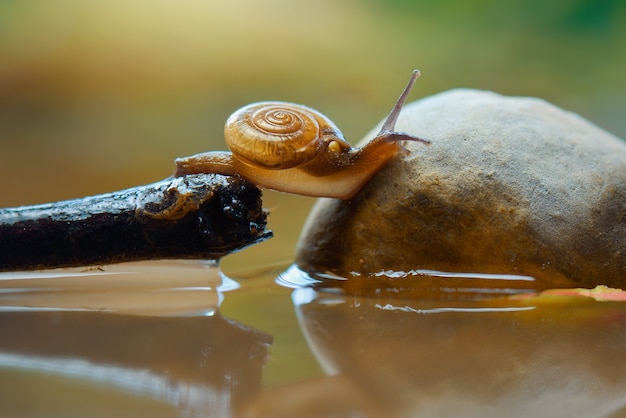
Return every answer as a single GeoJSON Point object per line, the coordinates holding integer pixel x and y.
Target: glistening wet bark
{"type": "Point", "coordinates": [203, 216]}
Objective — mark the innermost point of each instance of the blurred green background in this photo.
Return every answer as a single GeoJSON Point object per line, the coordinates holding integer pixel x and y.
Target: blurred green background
{"type": "Point", "coordinates": [99, 95]}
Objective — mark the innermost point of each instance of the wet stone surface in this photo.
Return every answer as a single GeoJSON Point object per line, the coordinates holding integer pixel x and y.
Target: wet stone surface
{"type": "Point", "coordinates": [509, 185]}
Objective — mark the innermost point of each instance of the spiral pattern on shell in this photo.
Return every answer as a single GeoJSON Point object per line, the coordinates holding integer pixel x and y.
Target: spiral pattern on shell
{"type": "Point", "coordinates": [275, 134]}
{"type": "Point", "coordinates": [277, 120]}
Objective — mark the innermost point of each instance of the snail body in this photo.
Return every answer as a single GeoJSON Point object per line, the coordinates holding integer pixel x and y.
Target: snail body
{"type": "Point", "coordinates": [295, 149]}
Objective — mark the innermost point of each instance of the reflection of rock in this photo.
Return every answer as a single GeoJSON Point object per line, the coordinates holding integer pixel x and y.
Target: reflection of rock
{"type": "Point", "coordinates": [509, 185]}
{"type": "Point", "coordinates": [473, 359]}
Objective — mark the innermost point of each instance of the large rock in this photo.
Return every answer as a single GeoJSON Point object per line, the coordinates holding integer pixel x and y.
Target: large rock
{"type": "Point", "coordinates": [509, 185]}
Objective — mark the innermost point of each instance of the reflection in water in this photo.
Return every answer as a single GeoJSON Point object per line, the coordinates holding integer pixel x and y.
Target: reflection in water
{"type": "Point", "coordinates": [440, 355]}
{"type": "Point", "coordinates": [447, 346]}
{"type": "Point", "coordinates": [156, 335]}
{"type": "Point", "coordinates": [413, 284]}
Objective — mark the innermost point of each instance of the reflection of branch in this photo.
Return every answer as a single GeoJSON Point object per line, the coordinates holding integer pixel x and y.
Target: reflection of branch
{"type": "Point", "coordinates": [199, 364]}
{"type": "Point", "coordinates": [197, 216]}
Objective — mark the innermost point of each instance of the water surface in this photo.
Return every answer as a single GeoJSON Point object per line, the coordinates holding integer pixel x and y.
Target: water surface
{"type": "Point", "coordinates": [181, 339]}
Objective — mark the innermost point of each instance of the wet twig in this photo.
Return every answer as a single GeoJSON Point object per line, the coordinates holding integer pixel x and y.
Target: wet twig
{"type": "Point", "coordinates": [202, 216]}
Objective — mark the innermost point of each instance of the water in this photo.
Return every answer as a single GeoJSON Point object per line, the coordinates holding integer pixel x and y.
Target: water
{"type": "Point", "coordinates": [181, 339]}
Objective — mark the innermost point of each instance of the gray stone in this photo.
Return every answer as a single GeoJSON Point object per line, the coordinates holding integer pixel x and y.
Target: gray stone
{"type": "Point", "coordinates": [510, 185]}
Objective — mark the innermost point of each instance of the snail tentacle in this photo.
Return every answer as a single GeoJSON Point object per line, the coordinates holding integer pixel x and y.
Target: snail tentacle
{"type": "Point", "coordinates": [387, 130]}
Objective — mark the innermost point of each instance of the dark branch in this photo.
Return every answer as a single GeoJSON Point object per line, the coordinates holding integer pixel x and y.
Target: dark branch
{"type": "Point", "coordinates": [203, 216]}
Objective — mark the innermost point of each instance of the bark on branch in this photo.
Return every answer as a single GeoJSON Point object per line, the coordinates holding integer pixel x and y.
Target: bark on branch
{"type": "Point", "coordinates": [202, 216]}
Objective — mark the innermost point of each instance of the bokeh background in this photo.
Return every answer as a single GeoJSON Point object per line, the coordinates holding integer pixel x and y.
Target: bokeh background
{"type": "Point", "coordinates": [100, 95]}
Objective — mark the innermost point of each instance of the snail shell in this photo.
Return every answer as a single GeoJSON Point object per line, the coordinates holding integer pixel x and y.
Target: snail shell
{"type": "Point", "coordinates": [278, 135]}
{"type": "Point", "coordinates": [295, 149]}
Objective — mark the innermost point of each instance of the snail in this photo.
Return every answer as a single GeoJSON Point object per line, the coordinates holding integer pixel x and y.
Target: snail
{"type": "Point", "coordinates": [295, 149]}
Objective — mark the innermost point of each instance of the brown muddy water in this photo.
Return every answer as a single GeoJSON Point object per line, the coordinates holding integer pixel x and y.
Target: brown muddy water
{"type": "Point", "coordinates": [182, 339]}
